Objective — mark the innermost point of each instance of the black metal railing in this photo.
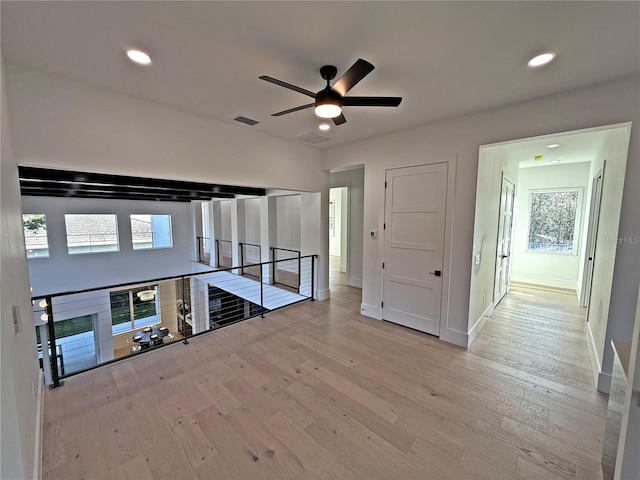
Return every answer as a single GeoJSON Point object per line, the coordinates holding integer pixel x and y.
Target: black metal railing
{"type": "Point", "coordinates": [250, 253]}
{"type": "Point", "coordinates": [204, 250]}
{"type": "Point", "coordinates": [224, 255]}
{"type": "Point", "coordinates": [287, 270]}
{"type": "Point", "coordinates": [93, 327]}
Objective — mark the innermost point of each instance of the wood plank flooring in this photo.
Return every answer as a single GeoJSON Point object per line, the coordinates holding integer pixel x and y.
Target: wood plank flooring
{"type": "Point", "coordinates": [317, 391]}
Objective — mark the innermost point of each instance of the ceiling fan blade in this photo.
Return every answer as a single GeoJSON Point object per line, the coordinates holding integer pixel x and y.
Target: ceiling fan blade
{"type": "Point", "coordinates": [371, 101]}
{"type": "Point", "coordinates": [291, 110]}
{"type": "Point", "coordinates": [351, 77]}
{"type": "Point", "coordinates": [339, 120]}
{"type": "Point", "coordinates": [275, 81]}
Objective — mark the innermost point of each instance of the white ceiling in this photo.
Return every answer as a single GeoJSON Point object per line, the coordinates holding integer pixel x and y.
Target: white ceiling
{"type": "Point", "coordinates": [443, 58]}
{"type": "Point", "coordinates": [573, 147]}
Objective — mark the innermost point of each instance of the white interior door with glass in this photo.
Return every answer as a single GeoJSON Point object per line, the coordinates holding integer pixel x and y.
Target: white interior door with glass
{"type": "Point", "coordinates": [415, 204]}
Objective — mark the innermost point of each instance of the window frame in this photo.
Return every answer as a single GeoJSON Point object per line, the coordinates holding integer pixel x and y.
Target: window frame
{"type": "Point", "coordinates": [576, 226]}
{"type": "Point", "coordinates": [152, 247]}
{"type": "Point", "coordinates": [91, 252]}
{"type": "Point", "coordinates": [45, 236]}
{"type": "Point", "coordinates": [133, 323]}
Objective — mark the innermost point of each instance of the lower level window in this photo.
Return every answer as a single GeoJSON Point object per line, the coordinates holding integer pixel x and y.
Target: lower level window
{"type": "Point", "coordinates": [134, 308]}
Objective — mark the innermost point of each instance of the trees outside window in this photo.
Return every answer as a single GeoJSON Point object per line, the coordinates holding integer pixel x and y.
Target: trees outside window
{"type": "Point", "coordinates": [133, 308]}
{"type": "Point", "coordinates": [552, 221]}
{"type": "Point", "coordinates": [35, 235]}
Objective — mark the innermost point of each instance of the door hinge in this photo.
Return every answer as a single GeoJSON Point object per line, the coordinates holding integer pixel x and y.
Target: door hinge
{"type": "Point", "coordinates": [381, 304]}
{"type": "Point", "coordinates": [385, 184]}
{"type": "Point", "coordinates": [384, 226]}
{"type": "Point", "coordinates": [382, 264]}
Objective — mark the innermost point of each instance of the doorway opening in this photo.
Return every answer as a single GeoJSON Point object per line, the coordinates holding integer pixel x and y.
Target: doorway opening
{"type": "Point", "coordinates": [566, 209]}
{"type": "Point", "coordinates": [338, 236]}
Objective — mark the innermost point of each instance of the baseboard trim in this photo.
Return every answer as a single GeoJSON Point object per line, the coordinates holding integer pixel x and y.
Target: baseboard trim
{"type": "Point", "coordinates": [371, 311]}
{"type": "Point", "coordinates": [544, 281]}
{"type": "Point", "coordinates": [595, 360]}
{"type": "Point", "coordinates": [455, 337]}
{"type": "Point", "coordinates": [323, 294]}
{"type": "Point", "coordinates": [355, 282]}
{"type": "Point", "coordinates": [475, 330]}
{"type": "Point", "coordinates": [37, 451]}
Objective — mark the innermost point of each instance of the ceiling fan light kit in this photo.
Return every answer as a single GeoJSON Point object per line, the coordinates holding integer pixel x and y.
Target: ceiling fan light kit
{"type": "Point", "coordinates": [329, 101]}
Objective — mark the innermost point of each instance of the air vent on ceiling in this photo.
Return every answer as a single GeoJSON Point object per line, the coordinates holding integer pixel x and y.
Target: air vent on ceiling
{"type": "Point", "coordinates": [313, 138]}
{"type": "Point", "coordinates": [245, 120]}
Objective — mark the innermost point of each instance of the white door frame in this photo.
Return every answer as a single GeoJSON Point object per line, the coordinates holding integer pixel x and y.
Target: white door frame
{"type": "Point", "coordinates": [592, 236]}
{"type": "Point", "coordinates": [447, 334]}
{"type": "Point", "coordinates": [510, 230]}
{"type": "Point", "coordinates": [347, 231]}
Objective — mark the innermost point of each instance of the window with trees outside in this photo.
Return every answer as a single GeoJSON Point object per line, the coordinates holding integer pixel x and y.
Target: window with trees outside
{"type": "Point", "coordinates": [553, 222]}
{"type": "Point", "coordinates": [133, 308]}
{"type": "Point", "coordinates": [151, 231]}
{"type": "Point", "coordinates": [35, 235]}
{"type": "Point", "coordinates": [91, 233]}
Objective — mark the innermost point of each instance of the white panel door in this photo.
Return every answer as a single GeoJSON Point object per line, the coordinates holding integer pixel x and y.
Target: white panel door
{"type": "Point", "coordinates": [414, 246]}
{"type": "Point", "coordinates": [503, 250]}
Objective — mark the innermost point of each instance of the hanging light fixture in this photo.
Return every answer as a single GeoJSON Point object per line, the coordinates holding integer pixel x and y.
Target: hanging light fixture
{"type": "Point", "coordinates": [146, 295]}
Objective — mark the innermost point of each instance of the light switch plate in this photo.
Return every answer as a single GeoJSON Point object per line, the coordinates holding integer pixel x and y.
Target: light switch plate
{"type": "Point", "coordinates": [17, 319]}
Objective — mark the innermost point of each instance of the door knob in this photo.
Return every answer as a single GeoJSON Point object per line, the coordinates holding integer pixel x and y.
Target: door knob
{"type": "Point", "coordinates": [437, 273]}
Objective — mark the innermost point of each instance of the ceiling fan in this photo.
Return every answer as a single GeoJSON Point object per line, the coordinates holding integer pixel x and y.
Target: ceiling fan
{"type": "Point", "coordinates": [330, 100]}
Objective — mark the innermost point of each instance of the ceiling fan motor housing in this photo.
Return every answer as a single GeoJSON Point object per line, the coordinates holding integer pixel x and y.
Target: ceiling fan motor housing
{"type": "Point", "coordinates": [328, 95]}
{"type": "Point", "coordinates": [328, 72]}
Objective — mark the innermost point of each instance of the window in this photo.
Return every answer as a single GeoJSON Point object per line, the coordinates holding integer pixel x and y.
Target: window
{"type": "Point", "coordinates": [35, 235]}
{"type": "Point", "coordinates": [552, 221]}
{"type": "Point", "coordinates": [91, 233]}
{"type": "Point", "coordinates": [151, 231]}
{"type": "Point", "coordinates": [134, 308]}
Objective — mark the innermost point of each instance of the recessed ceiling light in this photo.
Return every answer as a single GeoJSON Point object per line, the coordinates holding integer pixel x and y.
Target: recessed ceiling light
{"type": "Point", "coordinates": [555, 160]}
{"type": "Point", "coordinates": [542, 59]}
{"type": "Point", "coordinates": [138, 56]}
{"type": "Point", "coordinates": [553, 145]}
{"type": "Point", "coordinates": [324, 126]}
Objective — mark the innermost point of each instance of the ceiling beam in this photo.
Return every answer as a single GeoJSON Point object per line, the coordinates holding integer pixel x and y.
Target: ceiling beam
{"type": "Point", "coordinates": [35, 181]}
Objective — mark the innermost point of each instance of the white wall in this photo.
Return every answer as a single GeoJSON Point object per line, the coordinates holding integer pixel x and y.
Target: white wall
{"type": "Point", "coordinates": [18, 360]}
{"type": "Point", "coordinates": [288, 218]}
{"type": "Point", "coordinates": [459, 139]}
{"type": "Point", "coordinates": [65, 124]}
{"type": "Point", "coordinates": [93, 270]}
{"type": "Point", "coordinates": [353, 179]}
{"type": "Point", "coordinates": [544, 268]}
{"type": "Point", "coordinates": [493, 162]}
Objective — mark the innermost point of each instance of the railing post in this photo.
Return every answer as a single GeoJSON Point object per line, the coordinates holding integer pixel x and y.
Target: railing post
{"type": "Point", "coordinates": [55, 375]}
{"type": "Point", "coordinates": [313, 275]}
{"type": "Point", "coordinates": [261, 294]}
{"type": "Point", "coordinates": [272, 274]}
{"type": "Point", "coordinates": [184, 316]}
{"type": "Point", "coordinates": [300, 271]}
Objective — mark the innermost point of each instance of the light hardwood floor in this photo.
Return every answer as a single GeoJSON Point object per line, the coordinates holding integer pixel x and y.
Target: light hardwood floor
{"type": "Point", "coordinates": [317, 391]}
